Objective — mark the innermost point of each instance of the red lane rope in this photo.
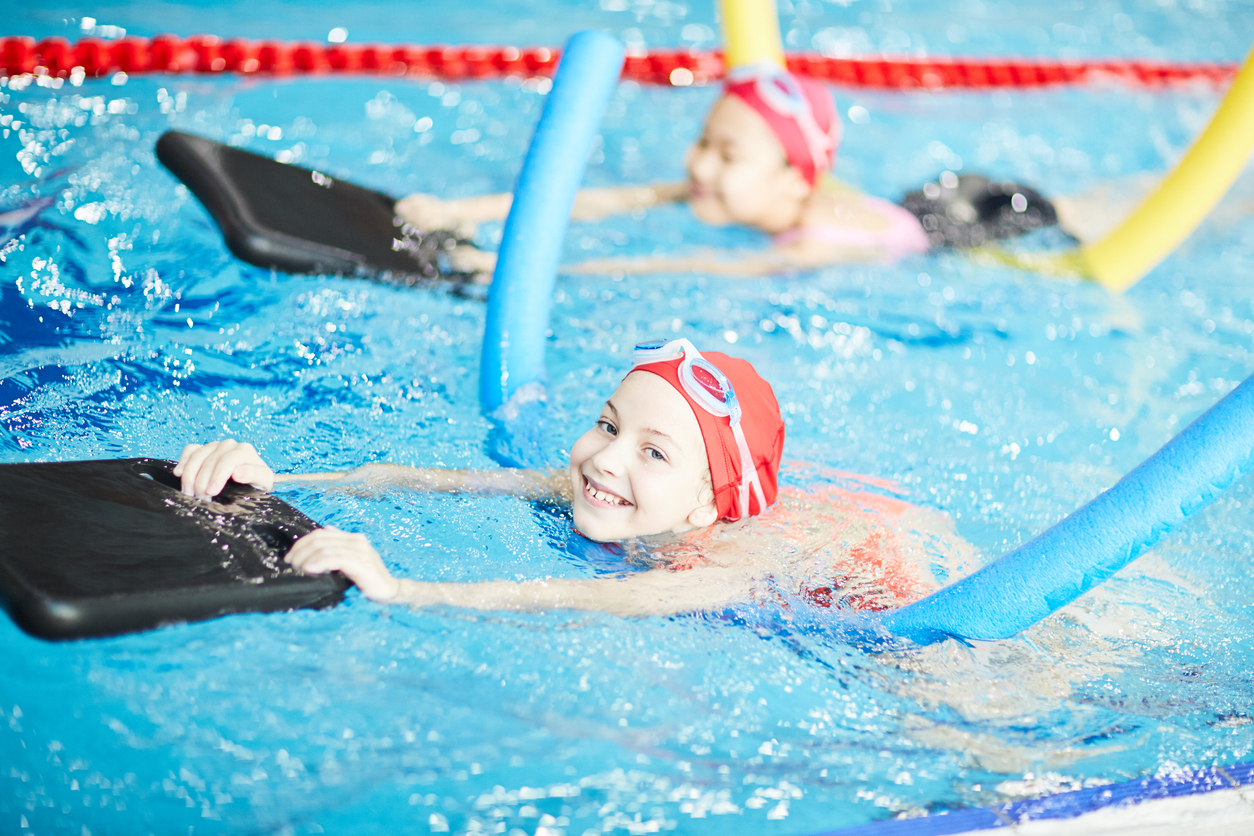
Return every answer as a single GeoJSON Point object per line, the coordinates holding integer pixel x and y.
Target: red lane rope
{"type": "Point", "coordinates": [208, 54]}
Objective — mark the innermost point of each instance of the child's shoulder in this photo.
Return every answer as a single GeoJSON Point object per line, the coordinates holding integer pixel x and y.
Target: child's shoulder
{"type": "Point", "coordinates": [840, 544]}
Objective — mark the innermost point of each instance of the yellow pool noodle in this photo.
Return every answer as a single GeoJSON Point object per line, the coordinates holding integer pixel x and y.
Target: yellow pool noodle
{"type": "Point", "coordinates": [751, 32]}
{"type": "Point", "coordinates": [1184, 198]}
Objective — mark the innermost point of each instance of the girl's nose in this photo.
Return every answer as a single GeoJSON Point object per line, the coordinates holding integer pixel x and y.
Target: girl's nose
{"type": "Point", "coordinates": [701, 163]}
{"type": "Point", "coordinates": [610, 459]}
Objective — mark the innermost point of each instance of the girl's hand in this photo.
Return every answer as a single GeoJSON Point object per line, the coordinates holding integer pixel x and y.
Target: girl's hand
{"type": "Point", "coordinates": [428, 212]}
{"type": "Point", "coordinates": [206, 468]}
{"type": "Point", "coordinates": [474, 260]}
{"type": "Point", "coordinates": [329, 550]}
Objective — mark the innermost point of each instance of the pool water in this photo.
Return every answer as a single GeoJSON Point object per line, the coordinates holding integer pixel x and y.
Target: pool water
{"type": "Point", "coordinates": [1000, 398]}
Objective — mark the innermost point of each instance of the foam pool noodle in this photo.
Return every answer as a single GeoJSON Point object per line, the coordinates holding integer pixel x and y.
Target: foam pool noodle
{"type": "Point", "coordinates": [750, 33]}
{"type": "Point", "coordinates": [1090, 545]}
{"type": "Point", "coordinates": [1170, 213]}
{"type": "Point", "coordinates": [511, 370]}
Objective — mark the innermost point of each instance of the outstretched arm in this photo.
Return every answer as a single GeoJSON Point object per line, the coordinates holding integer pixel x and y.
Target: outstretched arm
{"type": "Point", "coordinates": [463, 215]}
{"type": "Point", "coordinates": [205, 469]}
{"type": "Point", "coordinates": [529, 484]}
{"type": "Point", "coordinates": [655, 592]}
{"type": "Point", "coordinates": [732, 263]}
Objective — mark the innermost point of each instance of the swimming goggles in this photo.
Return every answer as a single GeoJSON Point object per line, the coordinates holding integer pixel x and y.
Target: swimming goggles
{"type": "Point", "coordinates": [778, 89]}
{"type": "Point", "coordinates": [710, 388]}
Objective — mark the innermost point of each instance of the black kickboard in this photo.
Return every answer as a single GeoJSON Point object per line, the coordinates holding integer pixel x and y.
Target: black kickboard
{"type": "Point", "coordinates": [297, 220]}
{"type": "Point", "coordinates": [975, 210]}
{"type": "Point", "coordinates": [100, 548]}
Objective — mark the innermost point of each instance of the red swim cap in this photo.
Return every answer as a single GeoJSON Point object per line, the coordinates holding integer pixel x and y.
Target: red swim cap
{"type": "Point", "coordinates": [760, 421]}
{"type": "Point", "coordinates": [800, 112]}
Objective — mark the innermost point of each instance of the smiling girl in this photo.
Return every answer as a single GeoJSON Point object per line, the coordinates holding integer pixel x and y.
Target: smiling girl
{"type": "Point", "coordinates": [683, 463]}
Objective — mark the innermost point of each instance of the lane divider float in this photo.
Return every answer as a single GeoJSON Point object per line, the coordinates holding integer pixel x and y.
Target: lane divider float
{"type": "Point", "coordinates": [208, 54]}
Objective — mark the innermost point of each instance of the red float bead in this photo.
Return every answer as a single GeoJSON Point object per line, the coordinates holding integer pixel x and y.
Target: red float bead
{"type": "Point", "coordinates": [308, 58]}
{"type": "Point", "coordinates": [343, 58]}
{"type": "Point", "coordinates": [208, 51]}
{"type": "Point", "coordinates": [408, 60]}
{"type": "Point", "coordinates": [94, 56]}
{"type": "Point", "coordinates": [55, 55]}
{"type": "Point", "coordinates": [478, 62]}
{"type": "Point", "coordinates": [371, 59]}
{"type": "Point", "coordinates": [636, 67]}
{"type": "Point", "coordinates": [274, 57]}
{"type": "Point", "coordinates": [453, 62]}
{"type": "Point", "coordinates": [165, 54]}
{"type": "Point", "coordinates": [132, 55]}
{"type": "Point", "coordinates": [17, 55]}
{"type": "Point", "coordinates": [240, 56]}
{"type": "Point", "coordinates": [540, 60]}
{"type": "Point", "coordinates": [509, 61]}
{"type": "Point", "coordinates": [841, 71]}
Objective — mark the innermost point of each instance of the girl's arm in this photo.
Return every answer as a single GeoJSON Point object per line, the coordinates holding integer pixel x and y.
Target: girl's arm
{"type": "Point", "coordinates": [427, 211]}
{"type": "Point", "coordinates": [530, 484]}
{"type": "Point", "coordinates": [732, 263]}
{"type": "Point", "coordinates": [655, 592]}
{"type": "Point", "coordinates": [206, 468]}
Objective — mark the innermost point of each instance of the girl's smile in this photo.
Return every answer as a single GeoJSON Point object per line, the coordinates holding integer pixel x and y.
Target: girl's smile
{"type": "Point", "coordinates": [642, 469]}
{"type": "Point", "coordinates": [602, 496]}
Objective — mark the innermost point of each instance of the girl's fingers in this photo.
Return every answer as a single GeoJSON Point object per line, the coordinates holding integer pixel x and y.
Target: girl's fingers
{"type": "Point", "coordinates": [187, 451]}
{"type": "Point", "coordinates": [204, 469]}
{"type": "Point", "coordinates": [257, 475]}
{"type": "Point", "coordinates": [194, 458]}
{"type": "Point", "coordinates": [237, 462]}
{"type": "Point", "coordinates": [208, 473]}
{"type": "Point", "coordinates": [312, 550]}
{"type": "Point", "coordinates": [328, 550]}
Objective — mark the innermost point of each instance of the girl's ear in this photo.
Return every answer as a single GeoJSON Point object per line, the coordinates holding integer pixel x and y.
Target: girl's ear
{"type": "Point", "coordinates": [703, 516]}
{"type": "Point", "coordinates": [797, 186]}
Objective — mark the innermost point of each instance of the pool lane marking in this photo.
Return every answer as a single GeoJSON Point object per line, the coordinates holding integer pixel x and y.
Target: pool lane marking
{"type": "Point", "coordinates": [90, 57]}
{"type": "Point", "coordinates": [1066, 805]}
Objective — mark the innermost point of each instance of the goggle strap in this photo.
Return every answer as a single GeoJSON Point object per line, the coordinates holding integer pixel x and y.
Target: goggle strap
{"type": "Point", "coordinates": [672, 350]}
{"type": "Point", "coordinates": [749, 474]}
{"type": "Point", "coordinates": [791, 102]}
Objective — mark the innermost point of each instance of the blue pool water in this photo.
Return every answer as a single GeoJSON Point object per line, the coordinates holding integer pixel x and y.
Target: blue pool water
{"type": "Point", "coordinates": [1003, 399]}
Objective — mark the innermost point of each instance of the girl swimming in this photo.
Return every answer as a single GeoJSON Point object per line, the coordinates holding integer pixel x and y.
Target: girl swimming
{"type": "Point", "coordinates": [762, 161]}
{"type": "Point", "coordinates": [682, 468]}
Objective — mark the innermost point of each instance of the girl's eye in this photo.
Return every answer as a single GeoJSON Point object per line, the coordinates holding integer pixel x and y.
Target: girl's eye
{"type": "Point", "coordinates": [656, 454]}
{"type": "Point", "coordinates": [607, 426]}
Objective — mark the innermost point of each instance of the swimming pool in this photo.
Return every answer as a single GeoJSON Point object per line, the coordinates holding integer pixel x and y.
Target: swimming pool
{"type": "Point", "coordinates": [1001, 398]}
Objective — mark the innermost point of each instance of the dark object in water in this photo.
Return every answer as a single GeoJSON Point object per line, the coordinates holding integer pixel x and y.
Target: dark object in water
{"type": "Point", "coordinates": [971, 210]}
{"type": "Point", "coordinates": [105, 547]}
{"type": "Point", "coordinates": [289, 218]}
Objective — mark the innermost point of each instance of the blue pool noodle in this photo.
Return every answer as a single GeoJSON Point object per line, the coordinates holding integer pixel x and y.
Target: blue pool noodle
{"type": "Point", "coordinates": [511, 370]}
{"type": "Point", "coordinates": [1090, 545]}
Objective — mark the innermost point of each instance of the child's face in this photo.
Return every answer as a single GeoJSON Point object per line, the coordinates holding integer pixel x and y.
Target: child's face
{"type": "Point", "coordinates": [738, 172]}
{"type": "Point", "coordinates": [642, 469]}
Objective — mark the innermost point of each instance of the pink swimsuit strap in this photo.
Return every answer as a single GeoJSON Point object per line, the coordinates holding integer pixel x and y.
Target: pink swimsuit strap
{"type": "Point", "coordinates": [901, 236]}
